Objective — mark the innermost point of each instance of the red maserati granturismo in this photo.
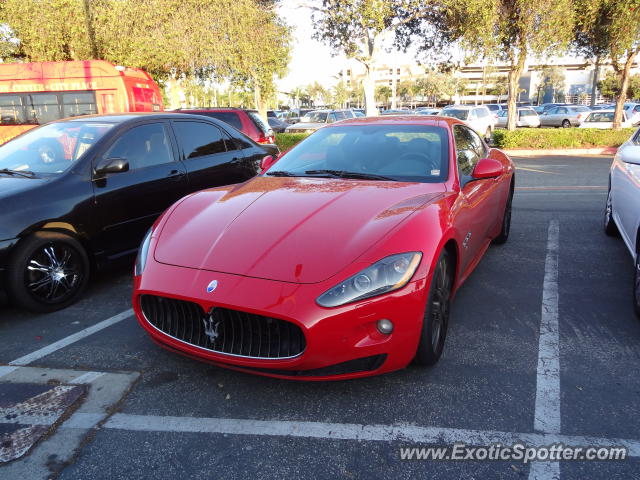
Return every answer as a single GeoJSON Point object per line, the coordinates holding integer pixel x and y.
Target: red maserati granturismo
{"type": "Point", "coordinates": [339, 261]}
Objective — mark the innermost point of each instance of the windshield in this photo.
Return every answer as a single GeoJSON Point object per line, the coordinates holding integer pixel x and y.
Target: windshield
{"type": "Point", "coordinates": [52, 148]}
{"type": "Point", "coordinates": [600, 117]}
{"type": "Point", "coordinates": [408, 153]}
{"type": "Point", "coordinates": [459, 114]}
{"type": "Point", "coordinates": [315, 117]}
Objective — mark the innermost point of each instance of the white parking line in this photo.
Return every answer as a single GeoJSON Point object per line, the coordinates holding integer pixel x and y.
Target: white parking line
{"type": "Point", "coordinates": [351, 431]}
{"type": "Point", "coordinates": [6, 370]}
{"type": "Point", "coordinates": [43, 352]}
{"type": "Point", "coordinates": [547, 406]}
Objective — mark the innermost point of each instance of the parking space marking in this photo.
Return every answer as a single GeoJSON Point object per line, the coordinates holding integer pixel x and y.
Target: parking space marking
{"type": "Point", "coordinates": [43, 352]}
{"type": "Point", "coordinates": [547, 406]}
{"type": "Point", "coordinates": [351, 431]}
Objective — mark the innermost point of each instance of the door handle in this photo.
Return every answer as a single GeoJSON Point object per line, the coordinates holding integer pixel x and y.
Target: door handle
{"type": "Point", "coordinates": [176, 174]}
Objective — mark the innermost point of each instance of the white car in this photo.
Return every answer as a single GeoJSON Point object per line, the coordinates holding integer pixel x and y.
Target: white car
{"type": "Point", "coordinates": [527, 117]}
{"type": "Point", "coordinates": [477, 117]}
{"type": "Point", "coordinates": [622, 211]}
{"type": "Point", "coordinates": [633, 112]}
{"type": "Point", "coordinates": [603, 119]}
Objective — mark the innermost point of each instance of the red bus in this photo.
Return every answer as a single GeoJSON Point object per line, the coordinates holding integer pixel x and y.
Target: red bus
{"type": "Point", "coordinates": [39, 92]}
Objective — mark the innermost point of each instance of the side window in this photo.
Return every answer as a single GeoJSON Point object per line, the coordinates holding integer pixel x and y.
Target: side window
{"type": "Point", "coordinates": [467, 154]}
{"type": "Point", "coordinates": [75, 104]}
{"type": "Point", "coordinates": [45, 107]}
{"type": "Point", "coordinates": [199, 139]}
{"type": "Point", "coordinates": [473, 115]}
{"type": "Point", "coordinates": [12, 110]}
{"type": "Point", "coordinates": [563, 111]}
{"type": "Point", "coordinates": [143, 146]}
{"type": "Point", "coordinates": [340, 116]}
{"type": "Point", "coordinates": [552, 111]}
{"type": "Point", "coordinates": [231, 118]}
{"type": "Point", "coordinates": [331, 118]}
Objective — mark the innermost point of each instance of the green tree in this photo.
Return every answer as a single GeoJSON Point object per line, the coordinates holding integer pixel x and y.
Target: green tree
{"type": "Point", "coordinates": [609, 86]}
{"type": "Point", "coordinates": [437, 85]}
{"type": "Point", "coordinates": [341, 94]}
{"type": "Point", "coordinates": [404, 91]}
{"type": "Point", "coordinates": [357, 28]}
{"type": "Point", "coordinates": [382, 94]}
{"type": "Point", "coordinates": [504, 30]}
{"type": "Point", "coordinates": [317, 93]}
{"type": "Point", "coordinates": [612, 27]}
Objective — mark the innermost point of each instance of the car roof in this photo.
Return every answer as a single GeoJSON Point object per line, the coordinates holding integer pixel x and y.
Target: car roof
{"type": "Point", "coordinates": [464, 107]}
{"type": "Point", "coordinates": [214, 109]}
{"type": "Point", "coordinates": [434, 120]}
{"type": "Point", "coordinates": [129, 117]}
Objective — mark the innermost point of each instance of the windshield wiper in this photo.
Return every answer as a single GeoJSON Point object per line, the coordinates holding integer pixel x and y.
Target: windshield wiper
{"type": "Point", "coordinates": [20, 173]}
{"type": "Point", "coordinates": [281, 173]}
{"type": "Point", "coordinates": [345, 174]}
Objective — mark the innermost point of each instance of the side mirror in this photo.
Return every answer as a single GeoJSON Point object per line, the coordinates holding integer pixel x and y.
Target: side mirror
{"type": "Point", "coordinates": [267, 162]}
{"type": "Point", "coordinates": [112, 165]}
{"type": "Point", "coordinates": [487, 168]}
{"type": "Point", "coordinates": [630, 154]}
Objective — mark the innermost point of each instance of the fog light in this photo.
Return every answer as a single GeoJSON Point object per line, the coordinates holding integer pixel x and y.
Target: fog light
{"type": "Point", "coordinates": [385, 326]}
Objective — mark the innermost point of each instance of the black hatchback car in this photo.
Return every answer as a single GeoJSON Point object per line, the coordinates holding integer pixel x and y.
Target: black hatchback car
{"type": "Point", "coordinates": [77, 194]}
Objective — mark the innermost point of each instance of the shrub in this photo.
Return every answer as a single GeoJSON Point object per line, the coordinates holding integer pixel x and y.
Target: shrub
{"type": "Point", "coordinates": [287, 140]}
{"type": "Point", "coordinates": [549, 138]}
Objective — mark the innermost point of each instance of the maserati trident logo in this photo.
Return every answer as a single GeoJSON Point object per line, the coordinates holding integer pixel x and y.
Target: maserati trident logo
{"type": "Point", "coordinates": [212, 286]}
{"type": "Point", "coordinates": [211, 325]}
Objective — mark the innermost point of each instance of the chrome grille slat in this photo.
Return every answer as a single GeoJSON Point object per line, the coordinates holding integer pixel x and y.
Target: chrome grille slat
{"type": "Point", "coordinates": [239, 333]}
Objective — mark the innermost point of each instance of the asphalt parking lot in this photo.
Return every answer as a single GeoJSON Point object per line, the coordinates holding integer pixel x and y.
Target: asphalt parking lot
{"type": "Point", "coordinates": [543, 347]}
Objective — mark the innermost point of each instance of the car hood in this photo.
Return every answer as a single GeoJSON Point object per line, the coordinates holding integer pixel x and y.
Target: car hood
{"type": "Point", "coordinates": [301, 230]}
{"type": "Point", "coordinates": [10, 185]}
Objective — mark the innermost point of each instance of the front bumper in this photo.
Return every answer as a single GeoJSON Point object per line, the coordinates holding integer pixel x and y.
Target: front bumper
{"type": "Point", "coordinates": [341, 342]}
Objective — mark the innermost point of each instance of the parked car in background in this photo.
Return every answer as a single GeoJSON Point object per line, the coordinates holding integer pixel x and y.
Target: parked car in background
{"type": "Point", "coordinates": [622, 210]}
{"type": "Point", "coordinates": [540, 109]}
{"type": "Point", "coordinates": [80, 193]}
{"type": "Point", "coordinates": [603, 106]}
{"type": "Point", "coordinates": [358, 114]}
{"type": "Point", "coordinates": [564, 116]}
{"type": "Point", "coordinates": [319, 118]}
{"type": "Point", "coordinates": [248, 122]}
{"type": "Point", "coordinates": [294, 116]}
{"type": "Point", "coordinates": [633, 112]}
{"type": "Point", "coordinates": [277, 125]}
{"type": "Point", "coordinates": [527, 117]}
{"type": "Point", "coordinates": [496, 108]}
{"type": "Point", "coordinates": [395, 111]}
{"type": "Point", "coordinates": [477, 117]}
{"type": "Point", "coordinates": [367, 228]}
{"type": "Point", "coordinates": [603, 119]}
{"type": "Point", "coordinates": [427, 111]}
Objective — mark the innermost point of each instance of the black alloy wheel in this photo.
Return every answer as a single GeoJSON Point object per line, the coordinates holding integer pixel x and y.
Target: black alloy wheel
{"type": "Point", "coordinates": [47, 272]}
{"type": "Point", "coordinates": [436, 317]}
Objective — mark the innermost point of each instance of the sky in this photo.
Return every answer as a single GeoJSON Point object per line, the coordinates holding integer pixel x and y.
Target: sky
{"type": "Point", "coordinates": [311, 60]}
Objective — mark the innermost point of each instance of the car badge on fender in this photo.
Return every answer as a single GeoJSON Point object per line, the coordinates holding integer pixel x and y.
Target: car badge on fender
{"type": "Point", "coordinates": [211, 325]}
{"type": "Point", "coordinates": [212, 286]}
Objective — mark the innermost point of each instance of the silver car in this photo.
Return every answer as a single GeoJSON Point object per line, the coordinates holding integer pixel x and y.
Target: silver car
{"type": "Point", "coordinates": [564, 116]}
{"type": "Point", "coordinates": [319, 118]}
{"type": "Point", "coordinates": [527, 117]}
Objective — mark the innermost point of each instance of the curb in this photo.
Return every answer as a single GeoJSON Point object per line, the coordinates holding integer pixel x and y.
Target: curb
{"type": "Point", "coordinates": [562, 151]}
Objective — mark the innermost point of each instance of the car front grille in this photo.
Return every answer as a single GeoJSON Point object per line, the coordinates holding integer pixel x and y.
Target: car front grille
{"type": "Point", "coordinates": [222, 330]}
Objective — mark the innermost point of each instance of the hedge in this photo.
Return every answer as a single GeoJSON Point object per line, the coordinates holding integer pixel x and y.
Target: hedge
{"type": "Point", "coordinates": [287, 140]}
{"type": "Point", "coordinates": [549, 138]}
{"type": "Point", "coordinates": [526, 138]}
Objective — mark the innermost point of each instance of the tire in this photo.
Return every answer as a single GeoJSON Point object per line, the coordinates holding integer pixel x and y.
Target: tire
{"type": "Point", "coordinates": [436, 315]}
{"type": "Point", "coordinates": [636, 286]}
{"type": "Point", "coordinates": [566, 124]}
{"type": "Point", "coordinates": [47, 271]}
{"type": "Point", "coordinates": [505, 229]}
{"type": "Point", "coordinates": [610, 227]}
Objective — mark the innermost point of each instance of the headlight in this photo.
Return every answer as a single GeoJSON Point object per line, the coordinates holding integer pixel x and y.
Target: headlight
{"type": "Point", "coordinates": [386, 275]}
{"type": "Point", "coordinates": [141, 260]}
